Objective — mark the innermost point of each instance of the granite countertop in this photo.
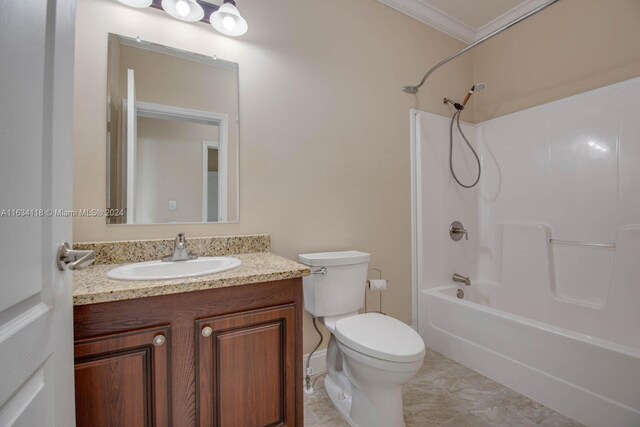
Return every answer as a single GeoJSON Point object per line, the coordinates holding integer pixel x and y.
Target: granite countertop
{"type": "Point", "coordinates": [91, 286]}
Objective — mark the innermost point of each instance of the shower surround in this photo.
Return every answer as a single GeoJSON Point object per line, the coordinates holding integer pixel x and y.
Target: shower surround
{"type": "Point", "coordinates": [553, 310]}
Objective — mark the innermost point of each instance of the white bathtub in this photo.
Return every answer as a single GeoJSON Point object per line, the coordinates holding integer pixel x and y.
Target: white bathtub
{"type": "Point", "coordinates": [590, 379]}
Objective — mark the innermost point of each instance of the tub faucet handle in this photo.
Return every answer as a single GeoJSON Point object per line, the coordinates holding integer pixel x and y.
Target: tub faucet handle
{"type": "Point", "coordinates": [458, 278]}
{"type": "Point", "coordinates": [456, 231]}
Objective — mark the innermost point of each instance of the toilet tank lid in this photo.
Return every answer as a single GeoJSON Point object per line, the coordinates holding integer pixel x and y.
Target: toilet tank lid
{"type": "Point", "coordinates": [328, 259]}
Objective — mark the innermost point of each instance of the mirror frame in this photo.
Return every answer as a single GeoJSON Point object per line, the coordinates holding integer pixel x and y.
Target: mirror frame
{"type": "Point", "coordinates": [151, 110]}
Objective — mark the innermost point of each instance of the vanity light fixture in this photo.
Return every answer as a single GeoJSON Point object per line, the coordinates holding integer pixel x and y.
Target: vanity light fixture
{"type": "Point", "coordinates": [227, 19]}
{"type": "Point", "coordinates": [184, 10]}
{"type": "Point", "coordinates": [224, 18]}
{"type": "Point", "coordinates": [137, 3]}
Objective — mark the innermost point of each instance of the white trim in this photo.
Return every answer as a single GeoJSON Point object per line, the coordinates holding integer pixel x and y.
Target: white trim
{"type": "Point", "coordinates": [509, 16]}
{"type": "Point", "coordinates": [433, 17]}
{"type": "Point", "coordinates": [123, 158]}
{"type": "Point", "coordinates": [223, 170]}
{"type": "Point", "coordinates": [132, 136]}
{"type": "Point", "coordinates": [236, 144]}
{"type": "Point", "coordinates": [109, 159]}
{"type": "Point", "coordinates": [416, 215]}
{"type": "Point", "coordinates": [318, 362]}
{"type": "Point", "coordinates": [206, 145]}
{"type": "Point", "coordinates": [223, 173]}
{"type": "Point", "coordinates": [161, 111]}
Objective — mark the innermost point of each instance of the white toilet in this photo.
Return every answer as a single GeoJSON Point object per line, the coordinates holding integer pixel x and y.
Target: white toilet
{"type": "Point", "coordinates": [370, 356]}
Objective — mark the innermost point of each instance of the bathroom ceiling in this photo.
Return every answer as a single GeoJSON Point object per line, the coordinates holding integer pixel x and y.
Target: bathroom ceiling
{"type": "Point", "coordinates": [466, 20]}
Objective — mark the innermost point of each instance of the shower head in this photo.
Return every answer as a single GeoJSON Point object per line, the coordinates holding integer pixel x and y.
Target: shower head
{"type": "Point", "coordinates": [476, 88]}
{"type": "Point", "coordinates": [410, 89]}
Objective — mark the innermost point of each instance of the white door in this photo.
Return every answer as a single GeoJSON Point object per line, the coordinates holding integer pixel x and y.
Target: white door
{"type": "Point", "coordinates": [36, 101]}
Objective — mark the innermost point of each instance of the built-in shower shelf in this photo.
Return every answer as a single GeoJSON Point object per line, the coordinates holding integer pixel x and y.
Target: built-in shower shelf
{"type": "Point", "coordinates": [576, 243]}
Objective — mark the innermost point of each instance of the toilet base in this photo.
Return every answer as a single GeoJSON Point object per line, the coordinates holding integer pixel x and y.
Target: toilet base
{"type": "Point", "coordinates": [340, 400]}
{"type": "Point", "coordinates": [381, 403]}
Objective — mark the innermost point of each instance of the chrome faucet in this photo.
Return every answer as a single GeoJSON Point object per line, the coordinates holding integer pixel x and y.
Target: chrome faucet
{"type": "Point", "coordinates": [458, 278]}
{"type": "Point", "coordinates": [180, 252]}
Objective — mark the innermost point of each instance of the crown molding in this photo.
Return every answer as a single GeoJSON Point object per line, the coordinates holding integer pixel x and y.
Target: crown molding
{"type": "Point", "coordinates": [509, 16]}
{"type": "Point", "coordinates": [433, 17]}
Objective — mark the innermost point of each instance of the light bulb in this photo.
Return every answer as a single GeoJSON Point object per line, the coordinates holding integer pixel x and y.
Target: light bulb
{"type": "Point", "coordinates": [182, 7]}
{"type": "Point", "coordinates": [229, 23]}
{"type": "Point", "coordinates": [184, 10]}
{"type": "Point", "coordinates": [228, 20]}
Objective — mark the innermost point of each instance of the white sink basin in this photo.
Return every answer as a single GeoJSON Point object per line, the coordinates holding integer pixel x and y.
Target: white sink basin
{"type": "Point", "coordinates": [158, 270]}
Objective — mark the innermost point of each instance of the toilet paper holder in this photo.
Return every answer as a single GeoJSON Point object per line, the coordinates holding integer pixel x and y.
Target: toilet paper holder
{"type": "Point", "coordinates": [379, 292]}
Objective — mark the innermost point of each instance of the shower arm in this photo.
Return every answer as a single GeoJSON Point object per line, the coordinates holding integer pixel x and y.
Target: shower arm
{"type": "Point", "coordinates": [414, 89]}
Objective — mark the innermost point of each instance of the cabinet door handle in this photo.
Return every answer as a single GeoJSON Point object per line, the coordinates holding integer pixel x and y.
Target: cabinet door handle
{"type": "Point", "coordinates": [158, 340]}
{"type": "Point", "coordinates": [207, 331]}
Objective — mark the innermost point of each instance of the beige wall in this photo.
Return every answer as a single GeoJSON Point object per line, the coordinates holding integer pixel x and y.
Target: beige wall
{"type": "Point", "coordinates": [325, 126]}
{"type": "Point", "coordinates": [169, 80]}
{"type": "Point", "coordinates": [572, 47]}
{"type": "Point", "coordinates": [324, 131]}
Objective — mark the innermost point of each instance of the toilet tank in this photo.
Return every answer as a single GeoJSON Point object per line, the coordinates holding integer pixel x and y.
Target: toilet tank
{"type": "Point", "coordinates": [341, 289]}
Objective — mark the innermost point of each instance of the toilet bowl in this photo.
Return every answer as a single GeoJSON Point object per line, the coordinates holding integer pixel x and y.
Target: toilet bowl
{"type": "Point", "coordinates": [370, 356]}
{"type": "Point", "coordinates": [376, 356]}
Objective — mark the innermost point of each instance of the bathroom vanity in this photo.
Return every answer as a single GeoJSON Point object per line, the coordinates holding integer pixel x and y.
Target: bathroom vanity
{"type": "Point", "coordinates": [222, 349]}
{"type": "Point", "coordinates": [216, 350]}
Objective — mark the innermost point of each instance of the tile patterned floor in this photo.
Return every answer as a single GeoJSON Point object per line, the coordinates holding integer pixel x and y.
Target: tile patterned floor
{"type": "Point", "coordinates": [447, 394]}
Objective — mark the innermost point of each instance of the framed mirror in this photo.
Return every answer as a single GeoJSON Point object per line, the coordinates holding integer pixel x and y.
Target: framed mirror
{"type": "Point", "coordinates": [172, 135]}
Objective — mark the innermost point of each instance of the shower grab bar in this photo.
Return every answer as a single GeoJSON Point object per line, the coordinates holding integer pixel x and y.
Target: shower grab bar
{"type": "Point", "coordinates": [575, 243]}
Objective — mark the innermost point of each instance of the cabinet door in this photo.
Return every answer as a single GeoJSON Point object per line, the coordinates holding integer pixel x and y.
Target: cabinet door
{"type": "Point", "coordinates": [122, 379]}
{"type": "Point", "coordinates": [246, 368]}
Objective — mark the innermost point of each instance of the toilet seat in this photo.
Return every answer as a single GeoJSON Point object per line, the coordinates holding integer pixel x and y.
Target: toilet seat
{"type": "Point", "coordinates": [381, 337]}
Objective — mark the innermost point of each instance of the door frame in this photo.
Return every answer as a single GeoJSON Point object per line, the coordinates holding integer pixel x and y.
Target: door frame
{"type": "Point", "coordinates": [223, 171]}
{"type": "Point", "coordinates": [416, 213]}
{"type": "Point", "coordinates": [170, 112]}
{"type": "Point", "coordinates": [131, 132]}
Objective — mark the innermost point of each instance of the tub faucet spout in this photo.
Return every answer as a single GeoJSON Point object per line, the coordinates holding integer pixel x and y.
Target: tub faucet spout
{"type": "Point", "coordinates": [458, 278]}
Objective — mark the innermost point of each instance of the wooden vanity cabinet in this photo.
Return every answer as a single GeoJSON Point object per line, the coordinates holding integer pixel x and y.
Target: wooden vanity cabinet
{"type": "Point", "coordinates": [123, 378]}
{"type": "Point", "coordinates": [220, 357]}
{"type": "Point", "coordinates": [245, 362]}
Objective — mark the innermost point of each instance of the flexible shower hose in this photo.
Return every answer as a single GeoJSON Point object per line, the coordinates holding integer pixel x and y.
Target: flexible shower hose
{"type": "Point", "coordinates": [456, 119]}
